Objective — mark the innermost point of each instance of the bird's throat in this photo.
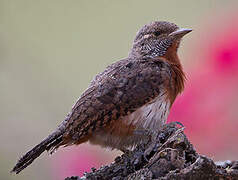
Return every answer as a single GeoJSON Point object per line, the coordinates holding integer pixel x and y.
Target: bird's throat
{"type": "Point", "coordinates": [178, 76]}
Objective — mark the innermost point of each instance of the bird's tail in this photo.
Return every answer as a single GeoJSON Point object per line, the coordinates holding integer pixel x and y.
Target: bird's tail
{"type": "Point", "coordinates": [51, 143]}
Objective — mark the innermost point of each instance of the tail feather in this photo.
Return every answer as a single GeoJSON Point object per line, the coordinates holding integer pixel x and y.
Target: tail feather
{"type": "Point", "coordinates": [51, 143]}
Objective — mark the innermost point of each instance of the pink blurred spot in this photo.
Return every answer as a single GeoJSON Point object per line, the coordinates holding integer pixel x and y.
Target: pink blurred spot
{"type": "Point", "coordinates": [227, 58]}
{"type": "Point", "coordinates": [208, 106]}
{"type": "Point", "coordinates": [76, 160]}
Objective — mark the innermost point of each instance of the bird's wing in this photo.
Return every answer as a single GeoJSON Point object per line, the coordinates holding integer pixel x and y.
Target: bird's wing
{"type": "Point", "coordinates": [122, 88]}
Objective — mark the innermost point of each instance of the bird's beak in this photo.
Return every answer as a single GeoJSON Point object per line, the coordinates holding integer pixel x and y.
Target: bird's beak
{"type": "Point", "coordinates": [178, 34]}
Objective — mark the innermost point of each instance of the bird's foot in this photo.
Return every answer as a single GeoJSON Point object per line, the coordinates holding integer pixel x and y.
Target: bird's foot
{"type": "Point", "coordinates": [179, 123]}
{"type": "Point", "coordinates": [174, 124]}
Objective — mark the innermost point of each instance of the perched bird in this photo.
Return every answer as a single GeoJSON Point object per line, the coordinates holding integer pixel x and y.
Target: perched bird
{"type": "Point", "coordinates": [131, 95]}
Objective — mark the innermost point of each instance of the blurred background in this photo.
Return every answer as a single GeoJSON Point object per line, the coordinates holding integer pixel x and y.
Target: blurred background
{"type": "Point", "coordinates": [50, 50]}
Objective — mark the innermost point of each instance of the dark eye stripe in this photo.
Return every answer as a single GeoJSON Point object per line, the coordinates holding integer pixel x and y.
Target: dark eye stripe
{"type": "Point", "coordinates": [156, 33]}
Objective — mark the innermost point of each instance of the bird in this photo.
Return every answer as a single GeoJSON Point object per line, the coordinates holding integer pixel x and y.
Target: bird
{"type": "Point", "coordinates": [130, 97]}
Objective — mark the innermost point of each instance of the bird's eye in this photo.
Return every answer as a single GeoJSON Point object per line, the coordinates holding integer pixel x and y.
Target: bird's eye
{"type": "Point", "coordinates": [156, 33]}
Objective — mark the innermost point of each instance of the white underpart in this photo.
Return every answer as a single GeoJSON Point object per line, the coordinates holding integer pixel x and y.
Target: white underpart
{"type": "Point", "coordinates": [150, 116]}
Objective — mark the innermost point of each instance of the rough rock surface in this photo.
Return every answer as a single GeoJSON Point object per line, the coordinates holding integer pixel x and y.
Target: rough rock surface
{"type": "Point", "coordinates": [169, 156]}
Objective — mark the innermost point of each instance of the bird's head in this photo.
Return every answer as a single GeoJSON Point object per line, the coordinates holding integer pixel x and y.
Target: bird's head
{"type": "Point", "coordinates": [156, 39]}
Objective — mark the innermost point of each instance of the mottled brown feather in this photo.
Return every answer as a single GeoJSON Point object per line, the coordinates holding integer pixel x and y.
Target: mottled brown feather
{"type": "Point", "coordinates": [119, 91]}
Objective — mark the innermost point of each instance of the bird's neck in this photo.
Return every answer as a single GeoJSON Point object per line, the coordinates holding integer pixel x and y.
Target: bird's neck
{"type": "Point", "coordinates": [171, 54]}
{"type": "Point", "coordinates": [170, 57]}
{"type": "Point", "coordinates": [178, 76]}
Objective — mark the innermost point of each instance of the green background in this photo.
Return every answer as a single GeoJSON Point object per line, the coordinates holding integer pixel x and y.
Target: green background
{"type": "Point", "coordinates": [50, 50]}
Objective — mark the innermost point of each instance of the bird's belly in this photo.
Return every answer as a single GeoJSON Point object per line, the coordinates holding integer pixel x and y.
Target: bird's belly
{"type": "Point", "coordinates": [120, 135]}
{"type": "Point", "coordinates": [150, 116]}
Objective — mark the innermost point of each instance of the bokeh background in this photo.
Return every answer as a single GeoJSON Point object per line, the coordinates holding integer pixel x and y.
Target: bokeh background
{"type": "Point", "coordinates": [50, 50]}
